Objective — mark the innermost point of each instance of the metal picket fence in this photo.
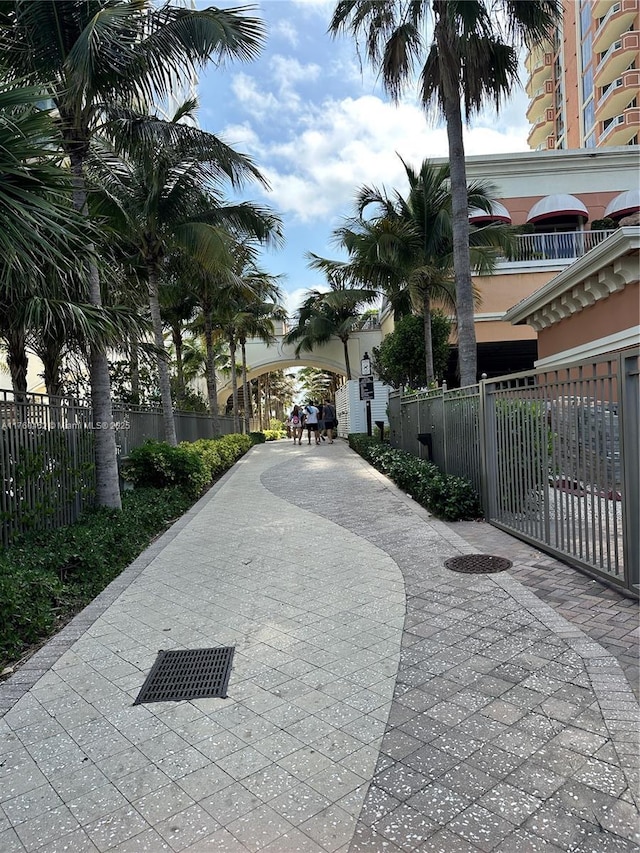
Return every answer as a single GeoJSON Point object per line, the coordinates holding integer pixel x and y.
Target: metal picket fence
{"type": "Point", "coordinates": [47, 475]}
{"type": "Point", "coordinates": [553, 453]}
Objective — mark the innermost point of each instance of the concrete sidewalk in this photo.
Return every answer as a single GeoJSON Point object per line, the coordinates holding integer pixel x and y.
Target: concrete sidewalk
{"type": "Point", "coordinates": [378, 701]}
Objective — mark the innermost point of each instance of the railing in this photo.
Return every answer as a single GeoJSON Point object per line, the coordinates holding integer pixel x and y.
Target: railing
{"type": "Point", "coordinates": [553, 453]}
{"type": "Point", "coordinates": [47, 464]}
{"type": "Point", "coordinates": [560, 245]}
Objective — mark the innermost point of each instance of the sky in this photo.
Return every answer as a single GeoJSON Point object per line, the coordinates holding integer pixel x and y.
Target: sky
{"type": "Point", "coordinates": [319, 126]}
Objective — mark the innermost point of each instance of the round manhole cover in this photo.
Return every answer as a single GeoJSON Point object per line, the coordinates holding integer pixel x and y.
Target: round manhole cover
{"type": "Point", "coordinates": [477, 564]}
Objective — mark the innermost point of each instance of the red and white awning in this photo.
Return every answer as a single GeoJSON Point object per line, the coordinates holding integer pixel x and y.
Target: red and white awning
{"type": "Point", "coordinates": [499, 213]}
{"type": "Point", "coordinates": [623, 204]}
{"type": "Point", "coordinates": [560, 204]}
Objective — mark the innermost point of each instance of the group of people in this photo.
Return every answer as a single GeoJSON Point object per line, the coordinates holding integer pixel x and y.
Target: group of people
{"type": "Point", "coordinates": [318, 420]}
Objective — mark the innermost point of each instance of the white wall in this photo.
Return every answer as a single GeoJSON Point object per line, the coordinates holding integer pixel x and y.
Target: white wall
{"type": "Point", "coordinates": [351, 410]}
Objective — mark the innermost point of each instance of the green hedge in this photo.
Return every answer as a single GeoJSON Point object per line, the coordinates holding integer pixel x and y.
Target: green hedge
{"type": "Point", "coordinates": [48, 576]}
{"type": "Point", "coordinates": [448, 497]}
{"type": "Point", "coordinates": [191, 466]}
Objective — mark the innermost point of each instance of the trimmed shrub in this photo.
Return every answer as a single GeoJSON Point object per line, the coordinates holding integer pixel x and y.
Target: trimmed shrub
{"type": "Point", "coordinates": [219, 454]}
{"type": "Point", "coordinates": [448, 497]}
{"type": "Point", "coordinates": [157, 464]}
{"type": "Point", "coordinates": [257, 437]}
{"type": "Point", "coordinates": [274, 434]}
{"type": "Point", "coordinates": [46, 577]}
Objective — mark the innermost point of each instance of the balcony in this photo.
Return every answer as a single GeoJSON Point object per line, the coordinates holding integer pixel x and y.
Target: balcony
{"type": "Point", "coordinates": [541, 72]}
{"type": "Point", "coordinates": [617, 59]}
{"type": "Point", "coordinates": [543, 127]}
{"type": "Point", "coordinates": [557, 246]}
{"type": "Point", "coordinates": [617, 21]}
{"type": "Point", "coordinates": [618, 96]}
{"type": "Point", "coordinates": [622, 128]}
{"type": "Point", "coordinates": [540, 100]}
{"type": "Point", "coordinates": [535, 56]}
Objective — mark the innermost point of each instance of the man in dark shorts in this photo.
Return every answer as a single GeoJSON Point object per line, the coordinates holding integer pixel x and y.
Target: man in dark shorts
{"type": "Point", "coordinates": [312, 422]}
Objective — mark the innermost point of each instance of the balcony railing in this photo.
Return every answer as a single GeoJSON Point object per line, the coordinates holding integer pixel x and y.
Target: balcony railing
{"type": "Point", "coordinates": [560, 245]}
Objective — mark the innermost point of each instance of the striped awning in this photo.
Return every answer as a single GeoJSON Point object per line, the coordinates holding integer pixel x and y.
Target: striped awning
{"type": "Point", "coordinates": [623, 204]}
{"type": "Point", "coordinates": [499, 213]}
{"type": "Point", "coordinates": [560, 204]}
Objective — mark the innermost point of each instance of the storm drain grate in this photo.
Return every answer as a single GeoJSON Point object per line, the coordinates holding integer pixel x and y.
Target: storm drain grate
{"type": "Point", "coordinates": [188, 674]}
{"type": "Point", "coordinates": [477, 564]}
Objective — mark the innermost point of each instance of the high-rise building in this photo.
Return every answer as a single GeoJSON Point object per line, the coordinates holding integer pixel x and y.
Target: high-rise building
{"type": "Point", "coordinates": [584, 81]}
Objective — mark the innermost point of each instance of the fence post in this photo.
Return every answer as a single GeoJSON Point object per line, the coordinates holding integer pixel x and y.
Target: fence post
{"type": "Point", "coordinates": [488, 449]}
{"type": "Point", "coordinates": [629, 390]}
{"type": "Point", "coordinates": [445, 446]}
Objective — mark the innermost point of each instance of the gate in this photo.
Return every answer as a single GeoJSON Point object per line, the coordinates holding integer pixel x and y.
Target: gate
{"type": "Point", "coordinates": [554, 454]}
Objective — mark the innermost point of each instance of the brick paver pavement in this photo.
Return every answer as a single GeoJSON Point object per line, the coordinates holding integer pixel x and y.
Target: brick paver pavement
{"type": "Point", "coordinates": [378, 701]}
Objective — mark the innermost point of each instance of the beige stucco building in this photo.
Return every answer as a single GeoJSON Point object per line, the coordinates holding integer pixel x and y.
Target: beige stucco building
{"type": "Point", "coordinates": [583, 81]}
{"type": "Point", "coordinates": [557, 195]}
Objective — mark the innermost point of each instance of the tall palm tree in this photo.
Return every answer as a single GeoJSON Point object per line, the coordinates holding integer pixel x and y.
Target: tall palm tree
{"type": "Point", "coordinates": [90, 54]}
{"type": "Point", "coordinates": [406, 248]}
{"type": "Point", "coordinates": [158, 190]}
{"type": "Point", "coordinates": [470, 57]}
{"type": "Point", "coordinates": [257, 321]}
{"type": "Point", "coordinates": [336, 313]}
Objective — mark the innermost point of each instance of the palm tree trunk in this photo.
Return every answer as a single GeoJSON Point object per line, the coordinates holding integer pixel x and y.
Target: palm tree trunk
{"type": "Point", "coordinates": [347, 364]}
{"type": "Point", "coordinates": [467, 350]}
{"type": "Point", "coordinates": [428, 340]}
{"type": "Point", "coordinates": [259, 402]}
{"type": "Point", "coordinates": [234, 383]}
{"type": "Point", "coordinates": [267, 401]}
{"type": "Point", "coordinates": [176, 334]}
{"type": "Point", "coordinates": [168, 423]}
{"type": "Point", "coordinates": [135, 371]}
{"type": "Point", "coordinates": [212, 385]}
{"type": "Point", "coordinates": [107, 483]}
{"type": "Point", "coordinates": [17, 361]}
{"type": "Point", "coordinates": [246, 390]}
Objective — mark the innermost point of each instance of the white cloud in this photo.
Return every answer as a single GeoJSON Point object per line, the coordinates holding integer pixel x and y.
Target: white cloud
{"type": "Point", "coordinates": [286, 29]}
{"type": "Point", "coordinates": [257, 102]}
{"type": "Point", "coordinates": [337, 146]}
{"type": "Point", "coordinates": [288, 70]}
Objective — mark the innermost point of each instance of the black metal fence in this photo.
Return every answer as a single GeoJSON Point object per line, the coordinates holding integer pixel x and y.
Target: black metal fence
{"type": "Point", "coordinates": [47, 473]}
{"type": "Point", "coordinates": [552, 452]}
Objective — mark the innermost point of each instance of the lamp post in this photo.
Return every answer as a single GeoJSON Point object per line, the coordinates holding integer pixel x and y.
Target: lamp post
{"type": "Point", "coordinates": [365, 370]}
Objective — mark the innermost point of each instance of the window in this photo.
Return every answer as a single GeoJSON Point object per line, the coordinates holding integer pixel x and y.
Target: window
{"type": "Point", "coordinates": [587, 52]}
{"type": "Point", "coordinates": [585, 17]}
{"type": "Point", "coordinates": [587, 83]}
{"type": "Point", "coordinates": [590, 141]}
{"type": "Point", "coordinates": [589, 116]}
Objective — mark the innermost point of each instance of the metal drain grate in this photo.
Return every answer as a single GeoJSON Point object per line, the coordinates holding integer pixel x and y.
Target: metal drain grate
{"type": "Point", "coordinates": [188, 674]}
{"type": "Point", "coordinates": [477, 564]}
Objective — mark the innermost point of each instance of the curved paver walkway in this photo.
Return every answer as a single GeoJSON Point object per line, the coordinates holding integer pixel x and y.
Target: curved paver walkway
{"type": "Point", "coordinates": [509, 728]}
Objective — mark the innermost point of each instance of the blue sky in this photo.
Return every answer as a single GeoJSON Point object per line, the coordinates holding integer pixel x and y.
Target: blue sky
{"type": "Point", "coordinates": [318, 126]}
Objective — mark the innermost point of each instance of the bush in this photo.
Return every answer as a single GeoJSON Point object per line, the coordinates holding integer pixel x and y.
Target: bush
{"type": "Point", "coordinates": [257, 437]}
{"type": "Point", "coordinates": [219, 454]}
{"type": "Point", "coordinates": [448, 497]}
{"type": "Point", "coordinates": [157, 464]}
{"type": "Point", "coordinates": [274, 434]}
{"type": "Point", "coordinates": [47, 576]}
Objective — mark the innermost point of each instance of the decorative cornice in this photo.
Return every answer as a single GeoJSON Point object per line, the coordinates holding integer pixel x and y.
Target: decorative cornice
{"type": "Point", "coordinates": [606, 269]}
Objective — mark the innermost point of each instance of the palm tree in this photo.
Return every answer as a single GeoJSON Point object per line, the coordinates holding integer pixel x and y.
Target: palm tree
{"type": "Point", "coordinates": [471, 58]}
{"type": "Point", "coordinates": [257, 321]}
{"type": "Point", "coordinates": [158, 193]}
{"type": "Point", "coordinates": [406, 248]}
{"type": "Point", "coordinates": [335, 313]}
{"type": "Point", "coordinates": [90, 54]}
